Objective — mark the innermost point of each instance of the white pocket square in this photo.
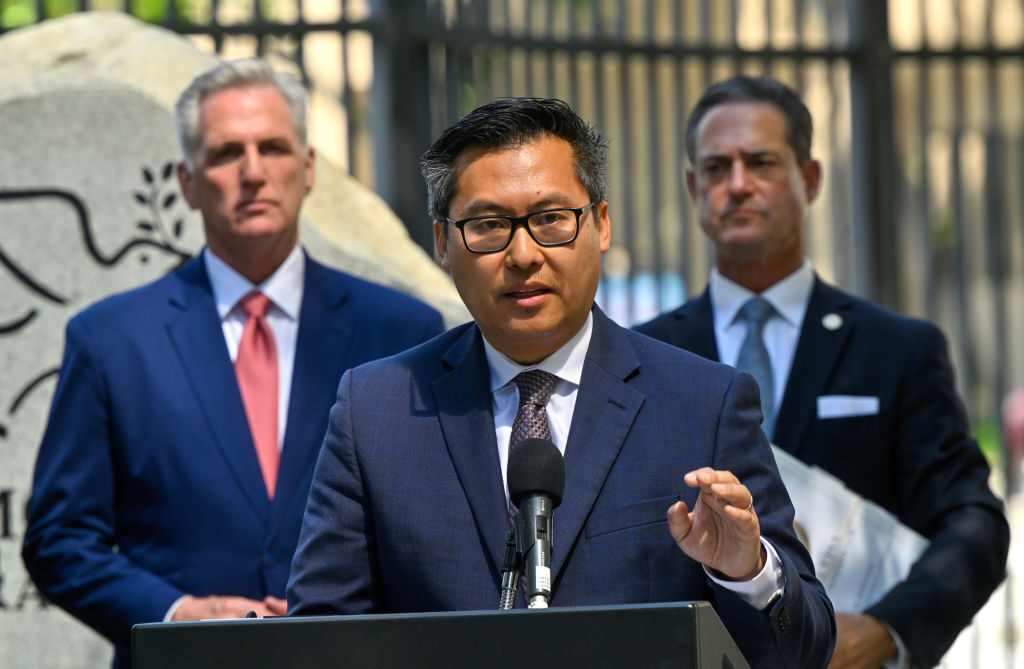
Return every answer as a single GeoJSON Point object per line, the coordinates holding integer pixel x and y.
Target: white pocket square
{"type": "Point", "coordinates": [844, 406]}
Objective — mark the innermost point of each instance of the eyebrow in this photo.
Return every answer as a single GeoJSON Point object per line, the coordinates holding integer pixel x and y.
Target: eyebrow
{"type": "Point", "coordinates": [746, 155]}
{"type": "Point", "coordinates": [272, 140]}
{"type": "Point", "coordinates": [484, 207]}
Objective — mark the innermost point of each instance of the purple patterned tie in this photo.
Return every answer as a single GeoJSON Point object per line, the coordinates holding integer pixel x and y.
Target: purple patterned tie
{"type": "Point", "coordinates": [535, 388]}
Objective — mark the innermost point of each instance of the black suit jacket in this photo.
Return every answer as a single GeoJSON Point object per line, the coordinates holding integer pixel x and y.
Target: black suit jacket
{"type": "Point", "coordinates": [914, 457]}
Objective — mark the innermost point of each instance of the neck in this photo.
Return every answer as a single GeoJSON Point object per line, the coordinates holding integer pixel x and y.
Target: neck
{"type": "Point", "coordinates": [757, 275]}
{"type": "Point", "coordinates": [255, 262]}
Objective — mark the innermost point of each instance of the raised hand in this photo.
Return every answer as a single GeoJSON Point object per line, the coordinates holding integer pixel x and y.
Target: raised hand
{"type": "Point", "coordinates": [722, 532]}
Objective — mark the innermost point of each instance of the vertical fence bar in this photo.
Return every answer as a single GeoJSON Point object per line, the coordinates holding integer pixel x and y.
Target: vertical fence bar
{"type": "Point", "coordinates": [402, 84]}
{"type": "Point", "coordinates": [628, 156]}
{"type": "Point", "coordinates": [875, 273]}
{"type": "Point", "coordinates": [682, 110]}
{"type": "Point", "coordinates": [926, 238]}
{"type": "Point", "coordinates": [654, 191]}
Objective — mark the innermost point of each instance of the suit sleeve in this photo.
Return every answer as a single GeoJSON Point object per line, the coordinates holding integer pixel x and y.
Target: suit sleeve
{"type": "Point", "coordinates": [944, 495]}
{"type": "Point", "coordinates": [797, 629]}
{"type": "Point", "coordinates": [70, 545]}
{"type": "Point", "coordinates": [334, 570]}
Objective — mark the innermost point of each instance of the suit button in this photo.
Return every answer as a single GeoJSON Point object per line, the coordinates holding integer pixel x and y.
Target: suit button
{"type": "Point", "coordinates": [269, 560]}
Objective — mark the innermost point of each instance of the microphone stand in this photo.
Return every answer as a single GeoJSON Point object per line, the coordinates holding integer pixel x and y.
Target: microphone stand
{"type": "Point", "coordinates": [511, 566]}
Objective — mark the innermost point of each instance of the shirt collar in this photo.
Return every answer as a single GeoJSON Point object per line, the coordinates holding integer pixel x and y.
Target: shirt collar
{"type": "Point", "coordinates": [566, 363]}
{"type": "Point", "coordinates": [283, 287]}
{"type": "Point", "coordinates": [789, 297]}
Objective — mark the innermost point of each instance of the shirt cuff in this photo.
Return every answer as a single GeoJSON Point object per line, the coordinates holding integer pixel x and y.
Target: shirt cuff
{"type": "Point", "coordinates": [902, 659]}
{"type": "Point", "coordinates": [759, 591]}
{"type": "Point", "coordinates": [174, 608]}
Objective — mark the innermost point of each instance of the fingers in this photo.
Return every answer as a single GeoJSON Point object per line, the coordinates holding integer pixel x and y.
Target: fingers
{"type": "Point", "coordinates": [222, 607]}
{"type": "Point", "coordinates": [239, 607]}
{"type": "Point", "coordinates": [275, 606]}
{"type": "Point", "coordinates": [722, 490]}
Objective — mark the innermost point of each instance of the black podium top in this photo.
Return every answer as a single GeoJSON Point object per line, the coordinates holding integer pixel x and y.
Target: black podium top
{"type": "Point", "coordinates": [685, 635]}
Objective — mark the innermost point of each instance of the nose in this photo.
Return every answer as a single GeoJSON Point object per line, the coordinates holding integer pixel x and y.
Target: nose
{"type": "Point", "coordinates": [739, 180]}
{"type": "Point", "coordinates": [252, 166]}
{"type": "Point", "coordinates": [522, 251]}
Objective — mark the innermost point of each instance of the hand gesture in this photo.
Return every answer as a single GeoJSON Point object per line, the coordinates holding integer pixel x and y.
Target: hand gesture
{"type": "Point", "coordinates": [722, 532]}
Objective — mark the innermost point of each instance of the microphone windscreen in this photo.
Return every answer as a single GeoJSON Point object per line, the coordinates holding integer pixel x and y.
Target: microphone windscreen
{"type": "Point", "coordinates": [535, 466]}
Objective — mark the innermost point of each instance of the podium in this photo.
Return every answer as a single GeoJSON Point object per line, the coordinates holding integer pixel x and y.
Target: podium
{"type": "Point", "coordinates": [686, 635]}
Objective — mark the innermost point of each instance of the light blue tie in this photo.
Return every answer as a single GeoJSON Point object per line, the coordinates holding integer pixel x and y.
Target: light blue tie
{"type": "Point", "coordinates": [754, 360]}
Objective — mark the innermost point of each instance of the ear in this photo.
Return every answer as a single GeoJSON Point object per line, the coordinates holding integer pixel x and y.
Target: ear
{"type": "Point", "coordinates": [691, 183]}
{"type": "Point", "coordinates": [185, 180]}
{"type": "Point", "coordinates": [811, 173]}
{"type": "Point", "coordinates": [310, 160]}
{"type": "Point", "coordinates": [604, 225]}
{"type": "Point", "coordinates": [441, 244]}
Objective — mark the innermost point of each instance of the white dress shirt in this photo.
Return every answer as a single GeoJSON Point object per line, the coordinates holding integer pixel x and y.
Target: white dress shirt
{"type": "Point", "coordinates": [567, 364]}
{"type": "Point", "coordinates": [284, 288]}
{"type": "Point", "coordinates": [781, 333]}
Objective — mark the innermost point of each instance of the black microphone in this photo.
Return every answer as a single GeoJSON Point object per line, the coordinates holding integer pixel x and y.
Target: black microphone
{"type": "Point", "coordinates": [536, 481]}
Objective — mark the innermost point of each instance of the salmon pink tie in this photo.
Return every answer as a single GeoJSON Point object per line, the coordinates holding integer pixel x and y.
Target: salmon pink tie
{"type": "Point", "coordinates": [256, 369]}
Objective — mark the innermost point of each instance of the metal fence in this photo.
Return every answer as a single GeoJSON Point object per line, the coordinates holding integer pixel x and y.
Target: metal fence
{"type": "Point", "coordinates": [917, 105]}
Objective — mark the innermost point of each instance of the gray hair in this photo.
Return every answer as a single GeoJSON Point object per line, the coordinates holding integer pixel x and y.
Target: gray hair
{"type": "Point", "coordinates": [507, 123]}
{"type": "Point", "coordinates": [233, 74]}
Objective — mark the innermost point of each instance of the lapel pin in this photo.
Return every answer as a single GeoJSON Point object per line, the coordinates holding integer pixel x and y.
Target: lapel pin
{"type": "Point", "coordinates": [832, 321]}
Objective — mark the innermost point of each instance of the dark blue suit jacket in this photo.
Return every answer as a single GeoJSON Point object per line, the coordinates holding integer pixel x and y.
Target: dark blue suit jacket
{"type": "Point", "coordinates": [915, 457]}
{"type": "Point", "coordinates": [408, 513]}
{"type": "Point", "coordinates": [147, 485]}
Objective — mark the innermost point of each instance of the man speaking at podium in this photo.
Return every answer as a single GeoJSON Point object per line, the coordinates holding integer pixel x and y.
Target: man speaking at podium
{"type": "Point", "coordinates": [671, 492]}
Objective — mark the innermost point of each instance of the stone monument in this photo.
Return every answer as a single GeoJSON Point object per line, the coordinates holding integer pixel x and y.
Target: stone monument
{"type": "Point", "coordinates": [90, 205]}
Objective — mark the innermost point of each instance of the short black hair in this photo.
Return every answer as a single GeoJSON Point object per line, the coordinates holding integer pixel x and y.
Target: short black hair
{"type": "Point", "coordinates": [740, 88]}
{"type": "Point", "coordinates": [511, 122]}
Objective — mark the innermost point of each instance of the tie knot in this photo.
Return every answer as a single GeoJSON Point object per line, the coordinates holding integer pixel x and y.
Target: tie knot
{"type": "Point", "coordinates": [756, 311]}
{"type": "Point", "coordinates": [254, 304]}
{"type": "Point", "coordinates": [535, 387]}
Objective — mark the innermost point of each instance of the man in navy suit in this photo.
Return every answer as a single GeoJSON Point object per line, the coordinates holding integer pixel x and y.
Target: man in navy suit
{"type": "Point", "coordinates": [671, 492]}
{"type": "Point", "coordinates": [150, 501]}
{"type": "Point", "coordinates": [863, 393]}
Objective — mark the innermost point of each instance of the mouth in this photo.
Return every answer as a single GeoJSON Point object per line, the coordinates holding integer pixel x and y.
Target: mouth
{"type": "Point", "coordinates": [253, 206]}
{"type": "Point", "coordinates": [742, 213]}
{"type": "Point", "coordinates": [527, 296]}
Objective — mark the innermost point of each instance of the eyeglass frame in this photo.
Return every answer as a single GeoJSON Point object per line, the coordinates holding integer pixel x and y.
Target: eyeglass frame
{"type": "Point", "coordinates": [522, 221]}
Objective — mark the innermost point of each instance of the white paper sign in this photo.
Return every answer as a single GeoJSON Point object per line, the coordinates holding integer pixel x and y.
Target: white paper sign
{"type": "Point", "coordinates": [860, 550]}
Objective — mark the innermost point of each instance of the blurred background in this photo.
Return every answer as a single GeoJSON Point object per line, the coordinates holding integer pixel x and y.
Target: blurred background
{"type": "Point", "coordinates": [919, 122]}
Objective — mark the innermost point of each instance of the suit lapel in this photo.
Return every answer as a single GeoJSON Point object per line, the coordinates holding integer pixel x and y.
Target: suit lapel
{"type": "Point", "coordinates": [325, 332]}
{"type": "Point", "coordinates": [817, 354]}
{"type": "Point", "coordinates": [463, 399]}
{"type": "Point", "coordinates": [606, 407]}
{"type": "Point", "coordinates": [695, 327]}
{"type": "Point", "coordinates": [198, 340]}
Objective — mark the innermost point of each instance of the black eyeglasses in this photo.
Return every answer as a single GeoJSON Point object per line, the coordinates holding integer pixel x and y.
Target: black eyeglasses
{"type": "Point", "coordinates": [548, 227]}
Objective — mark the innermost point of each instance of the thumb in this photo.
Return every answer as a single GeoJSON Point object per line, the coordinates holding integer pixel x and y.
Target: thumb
{"type": "Point", "coordinates": [679, 522]}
